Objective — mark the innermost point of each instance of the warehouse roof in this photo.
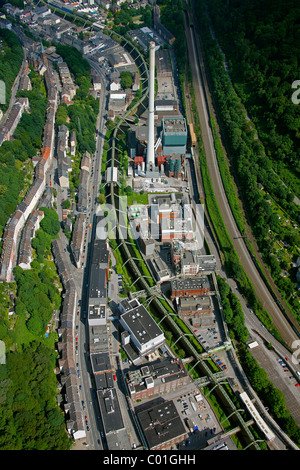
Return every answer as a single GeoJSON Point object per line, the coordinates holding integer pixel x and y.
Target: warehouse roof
{"type": "Point", "coordinates": [141, 324]}
{"type": "Point", "coordinates": [161, 423]}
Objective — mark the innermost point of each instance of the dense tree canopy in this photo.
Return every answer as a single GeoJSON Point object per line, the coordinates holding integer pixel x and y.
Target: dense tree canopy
{"type": "Point", "coordinates": [11, 54]}
{"type": "Point", "coordinates": [29, 417]}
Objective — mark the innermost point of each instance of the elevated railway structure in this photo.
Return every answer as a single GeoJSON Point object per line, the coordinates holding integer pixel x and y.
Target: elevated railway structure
{"type": "Point", "coordinates": [215, 381]}
{"type": "Point", "coordinates": [129, 257]}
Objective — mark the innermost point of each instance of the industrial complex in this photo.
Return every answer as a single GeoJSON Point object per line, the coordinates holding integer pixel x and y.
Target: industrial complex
{"type": "Point", "coordinates": [142, 339]}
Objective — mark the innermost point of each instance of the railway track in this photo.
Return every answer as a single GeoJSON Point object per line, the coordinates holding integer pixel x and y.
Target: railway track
{"type": "Point", "coordinates": [281, 321]}
{"type": "Point", "coordinates": [113, 197]}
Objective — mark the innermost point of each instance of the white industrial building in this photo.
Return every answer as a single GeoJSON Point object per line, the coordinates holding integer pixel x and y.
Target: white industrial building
{"type": "Point", "coordinates": [141, 330]}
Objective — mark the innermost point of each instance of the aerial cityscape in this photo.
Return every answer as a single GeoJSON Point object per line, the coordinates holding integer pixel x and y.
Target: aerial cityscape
{"type": "Point", "coordinates": [149, 240]}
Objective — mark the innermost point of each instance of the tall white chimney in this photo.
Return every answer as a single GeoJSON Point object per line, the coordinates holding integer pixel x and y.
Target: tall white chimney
{"type": "Point", "coordinates": [150, 147]}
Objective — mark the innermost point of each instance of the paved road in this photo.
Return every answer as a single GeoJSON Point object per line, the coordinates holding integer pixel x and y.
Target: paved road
{"type": "Point", "coordinates": [261, 290]}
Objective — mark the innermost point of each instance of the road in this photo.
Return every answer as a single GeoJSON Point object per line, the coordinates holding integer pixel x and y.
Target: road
{"type": "Point", "coordinates": [92, 409]}
{"type": "Point", "coordinates": [262, 292]}
{"type": "Point", "coordinates": [80, 276]}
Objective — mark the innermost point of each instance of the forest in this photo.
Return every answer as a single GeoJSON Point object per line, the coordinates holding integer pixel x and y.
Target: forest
{"type": "Point", "coordinates": [266, 180]}
{"type": "Point", "coordinates": [29, 416]}
{"type": "Point", "coordinates": [261, 42]}
{"type": "Point", "coordinates": [11, 56]}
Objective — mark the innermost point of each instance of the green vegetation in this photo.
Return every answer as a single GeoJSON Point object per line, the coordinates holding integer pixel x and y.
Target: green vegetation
{"type": "Point", "coordinates": [126, 79]}
{"type": "Point", "coordinates": [233, 313]}
{"type": "Point", "coordinates": [124, 19]}
{"type": "Point", "coordinates": [227, 179]}
{"type": "Point", "coordinates": [15, 154]}
{"type": "Point", "coordinates": [83, 112]}
{"type": "Point", "coordinates": [172, 18]}
{"type": "Point", "coordinates": [267, 199]}
{"type": "Point", "coordinates": [29, 416]}
{"type": "Point", "coordinates": [271, 396]}
{"type": "Point", "coordinates": [263, 64]}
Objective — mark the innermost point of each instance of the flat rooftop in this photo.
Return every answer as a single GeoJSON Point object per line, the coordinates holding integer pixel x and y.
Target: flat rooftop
{"type": "Point", "coordinates": [97, 283]}
{"type": "Point", "coordinates": [141, 324]}
{"type": "Point", "coordinates": [166, 368]}
{"type": "Point", "coordinates": [174, 125]}
{"type": "Point", "coordinates": [190, 283]}
{"type": "Point", "coordinates": [100, 362]}
{"type": "Point", "coordinates": [110, 410]}
{"type": "Point", "coordinates": [160, 423]}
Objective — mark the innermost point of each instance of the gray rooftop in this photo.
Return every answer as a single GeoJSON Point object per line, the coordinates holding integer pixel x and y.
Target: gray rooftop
{"type": "Point", "coordinates": [161, 423]}
{"type": "Point", "coordinates": [141, 324]}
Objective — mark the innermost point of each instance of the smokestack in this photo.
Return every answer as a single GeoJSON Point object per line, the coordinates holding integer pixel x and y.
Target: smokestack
{"type": "Point", "coordinates": [150, 147]}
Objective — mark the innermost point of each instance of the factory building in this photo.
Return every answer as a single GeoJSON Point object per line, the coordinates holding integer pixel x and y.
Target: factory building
{"type": "Point", "coordinates": [110, 412]}
{"type": "Point", "coordinates": [102, 370]}
{"type": "Point", "coordinates": [174, 136]}
{"type": "Point", "coordinates": [197, 286]}
{"type": "Point", "coordinates": [99, 271]}
{"type": "Point", "coordinates": [156, 377]}
{"type": "Point", "coordinates": [198, 310]}
{"type": "Point", "coordinates": [161, 425]}
{"type": "Point", "coordinates": [141, 332]}
{"type": "Point", "coordinates": [175, 218]}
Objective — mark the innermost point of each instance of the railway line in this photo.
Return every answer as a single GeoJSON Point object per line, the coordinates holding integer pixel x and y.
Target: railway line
{"type": "Point", "coordinates": [281, 321]}
{"type": "Point", "coordinates": [216, 381]}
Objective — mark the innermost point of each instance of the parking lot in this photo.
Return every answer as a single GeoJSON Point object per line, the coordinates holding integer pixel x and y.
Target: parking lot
{"type": "Point", "coordinates": [209, 337]}
{"type": "Point", "coordinates": [279, 371]}
{"type": "Point", "coordinates": [196, 415]}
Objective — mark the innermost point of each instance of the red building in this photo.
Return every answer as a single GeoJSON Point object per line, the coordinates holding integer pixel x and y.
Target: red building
{"type": "Point", "coordinates": [196, 286]}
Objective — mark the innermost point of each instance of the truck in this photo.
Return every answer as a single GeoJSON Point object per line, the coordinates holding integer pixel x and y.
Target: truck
{"type": "Point", "coordinates": [189, 424]}
{"type": "Point", "coordinates": [193, 406]}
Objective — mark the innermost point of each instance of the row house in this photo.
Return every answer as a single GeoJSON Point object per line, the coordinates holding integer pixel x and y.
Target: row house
{"type": "Point", "coordinates": [66, 346]}
{"type": "Point", "coordinates": [25, 248]}
{"type": "Point", "coordinates": [33, 195]}
{"type": "Point", "coordinates": [13, 119]}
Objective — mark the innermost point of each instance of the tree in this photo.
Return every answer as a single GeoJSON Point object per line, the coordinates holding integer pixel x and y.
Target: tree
{"type": "Point", "coordinates": [50, 223]}
{"type": "Point", "coordinates": [35, 325]}
{"type": "Point", "coordinates": [126, 79]}
{"type": "Point", "coordinates": [66, 204]}
{"type": "Point", "coordinates": [101, 199]}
